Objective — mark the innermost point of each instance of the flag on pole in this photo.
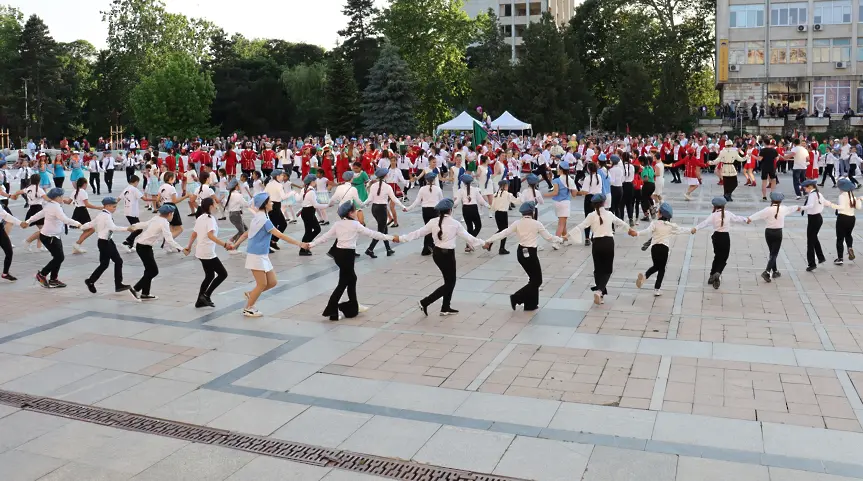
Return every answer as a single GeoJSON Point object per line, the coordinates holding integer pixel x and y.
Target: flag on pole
{"type": "Point", "coordinates": [479, 133]}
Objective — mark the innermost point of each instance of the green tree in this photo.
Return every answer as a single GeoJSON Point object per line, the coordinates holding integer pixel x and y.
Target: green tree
{"type": "Point", "coordinates": [342, 98]}
{"type": "Point", "coordinates": [76, 63]}
{"type": "Point", "coordinates": [635, 99]}
{"type": "Point", "coordinates": [11, 24]}
{"type": "Point", "coordinates": [38, 64]}
{"type": "Point", "coordinates": [361, 45]}
{"type": "Point", "coordinates": [174, 99]}
{"type": "Point", "coordinates": [250, 97]}
{"type": "Point", "coordinates": [432, 36]}
{"type": "Point", "coordinates": [305, 87]}
{"type": "Point", "coordinates": [672, 107]}
{"type": "Point", "coordinates": [491, 70]}
{"type": "Point", "coordinates": [106, 100]}
{"type": "Point", "coordinates": [388, 101]}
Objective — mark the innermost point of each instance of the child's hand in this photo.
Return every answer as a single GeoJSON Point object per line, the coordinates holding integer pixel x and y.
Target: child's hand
{"type": "Point", "coordinates": [693, 230]}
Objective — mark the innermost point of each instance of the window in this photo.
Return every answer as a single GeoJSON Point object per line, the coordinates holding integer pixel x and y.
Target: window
{"type": "Point", "coordinates": [506, 10]}
{"type": "Point", "coordinates": [794, 94]}
{"type": "Point", "coordinates": [860, 49]}
{"type": "Point", "coordinates": [506, 30]}
{"type": "Point", "coordinates": [536, 8]}
{"type": "Point", "coordinates": [838, 11]}
{"type": "Point", "coordinates": [740, 53]}
{"type": "Point", "coordinates": [787, 51]}
{"type": "Point", "coordinates": [831, 50]}
{"type": "Point", "coordinates": [747, 16]}
{"type": "Point", "coordinates": [520, 9]}
{"type": "Point", "coordinates": [832, 94]}
{"type": "Point", "coordinates": [788, 14]}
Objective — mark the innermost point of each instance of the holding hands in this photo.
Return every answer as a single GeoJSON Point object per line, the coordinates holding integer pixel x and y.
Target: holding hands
{"type": "Point", "coordinates": [396, 239]}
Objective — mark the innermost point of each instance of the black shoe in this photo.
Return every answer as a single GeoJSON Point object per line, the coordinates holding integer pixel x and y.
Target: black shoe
{"type": "Point", "coordinates": [394, 226]}
{"type": "Point", "coordinates": [191, 215]}
{"type": "Point", "coordinates": [56, 284]}
{"type": "Point", "coordinates": [356, 254]}
{"type": "Point", "coordinates": [209, 301]}
{"type": "Point", "coordinates": [201, 303]}
{"type": "Point", "coordinates": [716, 282]}
{"type": "Point", "coordinates": [586, 242]}
{"type": "Point", "coordinates": [512, 302]}
{"type": "Point", "coordinates": [448, 311]}
{"type": "Point", "coordinates": [9, 277]}
{"type": "Point", "coordinates": [837, 262]}
{"type": "Point", "coordinates": [645, 246]}
{"type": "Point", "coordinates": [710, 279]}
{"type": "Point", "coordinates": [147, 297]}
{"type": "Point", "coordinates": [851, 255]}
{"type": "Point", "coordinates": [777, 274]}
{"type": "Point", "coordinates": [645, 219]}
{"type": "Point", "coordinates": [371, 254]}
{"type": "Point", "coordinates": [766, 276]}
{"type": "Point", "coordinates": [275, 246]}
{"type": "Point", "coordinates": [90, 285]}
{"type": "Point", "coordinates": [503, 252]}
{"type": "Point", "coordinates": [425, 253]}
{"type": "Point", "coordinates": [424, 309]}
{"type": "Point", "coordinates": [811, 268]}
{"type": "Point", "coordinates": [821, 261]}
{"type": "Point", "coordinates": [305, 253]}
{"type": "Point", "coordinates": [390, 252]}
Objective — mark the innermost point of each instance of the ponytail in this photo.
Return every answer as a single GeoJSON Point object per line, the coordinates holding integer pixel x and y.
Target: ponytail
{"type": "Point", "coordinates": [440, 226]}
{"type": "Point", "coordinates": [77, 188]}
{"type": "Point", "coordinates": [722, 222]}
{"type": "Point", "coordinates": [500, 190]}
{"type": "Point", "coordinates": [566, 175]}
{"type": "Point", "coordinates": [533, 187]}
{"type": "Point", "coordinates": [776, 216]}
{"type": "Point", "coordinates": [468, 191]}
{"type": "Point", "coordinates": [853, 199]}
{"type": "Point", "coordinates": [380, 184]}
{"type": "Point", "coordinates": [596, 208]}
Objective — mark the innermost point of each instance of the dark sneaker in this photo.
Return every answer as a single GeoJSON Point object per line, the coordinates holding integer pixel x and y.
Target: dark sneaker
{"type": "Point", "coordinates": [424, 309]}
{"type": "Point", "coordinates": [448, 311]}
{"type": "Point", "coordinates": [91, 286]}
{"type": "Point", "coordinates": [371, 254]}
{"type": "Point", "coordinates": [42, 280]}
{"type": "Point", "coordinates": [811, 268]}
{"type": "Point", "coordinates": [56, 284]}
{"type": "Point", "coordinates": [851, 255]}
{"type": "Point", "coordinates": [148, 297]}
{"type": "Point", "coordinates": [766, 276]}
{"type": "Point", "coordinates": [716, 282]}
{"type": "Point", "coordinates": [201, 302]}
{"type": "Point", "coordinates": [390, 252]}
{"type": "Point", "coordinates": [9, 277]}
{"type": "Point", "coordinates": [122, 288]}
{"type": "Point", "coordinates": [777, 274]}
{"type": "Point", "coordinates": [503, 252]}
{"type": "Point", "coordinates": [837, 262]}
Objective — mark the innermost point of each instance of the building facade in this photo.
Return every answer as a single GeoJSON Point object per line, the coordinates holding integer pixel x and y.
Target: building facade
{"type": "Point", "coordinates": [807, 54]}
{"type": "Point", "coordinates": [514, 15]}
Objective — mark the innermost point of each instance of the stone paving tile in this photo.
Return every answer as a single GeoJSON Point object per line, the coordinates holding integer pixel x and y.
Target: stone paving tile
{"type": "Point", "coordinates": [751, 332]}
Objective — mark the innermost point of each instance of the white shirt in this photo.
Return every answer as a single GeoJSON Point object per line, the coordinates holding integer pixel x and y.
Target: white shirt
{"type": "Point", "coordinates": [104, 225]}
{"type": "Point", "coordinates": [94, 166]}
{"type": "Point", "coordinates": [593, 184]}
{"type": "Point", "coordinates": [628, 172]}
{"type": "Point", "coordinates": [275, 190]}
{"type": "Point", "coordinates": [801, 157]}
{"type": "Point", "coordinates": [204, 192]}
{"type": "Point", "coordinates": [167, 192]}
{"type": "Point", "coordinates": [79, 198]}
{"type": "Point", "coordinates": [814, 203]}
{"type": "Point", "coordinates": [7, 217]}
{"type": "Point", "coordinates": [310, 199]}
{"type": "Point", "coordinates": [450, 229]}
{"type": "Point", "coordinates": [34, 195]}
{"type": "Point", "coordinates": [475, 197]}
{"type": "Point", "coordinates": [404, 162]}
{"type": "Point", "coordinates": [615, 176]}
{"type": "Point", "coordinates": [501, 201]}
{"type": "Point", "coordinates": [844, 206]}
{"type": "Point", "coordinates": [394, 176]}
{"type": "Point", "coordinates": [205, 247]}
{"type": "Point", "coordinates": [715, 220]}
{"type": "Point", "coordinates": [531, 195]}
{"type": "Point", "coordinates": [234, 201]}
{"type": "Point", "coordinates": [345, 192]}
{"type": "Point", "coordinates": [845, 151]}
{"type": "Point", "coordinates": [528, 231]}
{"type": "Point", "coordinates": [347, 231]}
{"type": "Point", "coordinates": [156, 229]}
{"type": "Point", "coordinates": [130, 196]}
{"type": "Point", "coordinates": [662, 231]}
{"type": "Point", "coordinates": [382, 193]}
{"type": "Point", "coordinates": [55, 220]}
{"type": "Point", "coordinates": [775, 217]}
{"type": "Point", "coordinates": [428, 197]}
{"type": "Point", "coordinates": [605, 228]}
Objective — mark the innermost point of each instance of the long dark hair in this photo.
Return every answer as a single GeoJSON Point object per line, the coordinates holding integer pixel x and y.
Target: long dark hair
{"type": "Point", "coordinates": [78, 184]}
{"type": "Point", "coordinates": [853, 199]}
{"type": "Point", "coordinates": [596, 207]}
{"type": "Point", "coordinates": [467, 186]}
{"type": "Point", "coordinates": [777, 204]}
{"type": "Point", "coordinates": [380, 184]}
{"type": "Point", "coordinates": [592, 169]}
{"type": "Point", "coordinates": [722, 223]}
{"type": "Point", "coordinates": [440, 223]}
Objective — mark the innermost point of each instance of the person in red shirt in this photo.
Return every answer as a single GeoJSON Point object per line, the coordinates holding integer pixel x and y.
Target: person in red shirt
{"type": "Point", "coordinates": [247, 161]}
{"type": "Point", "coordinates": [369, 160]}
{"type": "Point", "coordinates": [692, 168]}
{"type": "Point", "coordinates": [328, 163]}
{"type": "Point", "coordinates": [231, 162]}
{"type": "Point", "coordinates": [268, 160]}
{"type": "Point", "coordinates": [343, 164]}
{"type": "Point", "coordinates": [144, 143]}
{"type": "Point", "coordinates": [171, 161]}
{"type": "Point", "coordinates": [306, 158]}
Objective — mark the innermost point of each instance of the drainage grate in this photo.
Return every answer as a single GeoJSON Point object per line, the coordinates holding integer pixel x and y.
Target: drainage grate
{"type": "Point", "coordinates": [301, 453]}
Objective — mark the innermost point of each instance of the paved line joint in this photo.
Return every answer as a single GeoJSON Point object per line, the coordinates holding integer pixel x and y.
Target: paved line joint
{"type": "Point", "coordinates": [661, 382]}
{"type": "Point", "coordinates": [684, 275]}
{"type": "Point", "coordinates": [296, 452]}
{"type": "Point", "coordinates": [851, 394]}
{"type": "Point", "coordinates": [491, 367]}
{"type": "Point", "coordinates": [807, 304]}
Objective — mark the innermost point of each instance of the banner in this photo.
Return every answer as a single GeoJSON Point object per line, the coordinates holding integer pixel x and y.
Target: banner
{"type": "Point", "coordinates": [722, 66]}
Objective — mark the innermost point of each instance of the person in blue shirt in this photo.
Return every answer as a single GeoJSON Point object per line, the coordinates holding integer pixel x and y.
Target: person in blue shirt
{"type": "Point", "coordinates": [260, 233]}
{"type": "Point", "coordinates": [562, 189]}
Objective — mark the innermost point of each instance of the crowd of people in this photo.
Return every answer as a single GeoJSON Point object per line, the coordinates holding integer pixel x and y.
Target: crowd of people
{"type": "Point", "coordinates": [248, 182]}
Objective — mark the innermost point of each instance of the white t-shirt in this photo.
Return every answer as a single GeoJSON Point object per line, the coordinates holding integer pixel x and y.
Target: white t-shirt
{"type": "Point", "coordinates": [79, 197]}
{"type": "Point", "coordinates": [205, 247]}
{"type": "Point", "coordinates": [801, 157]}
{"type": "Point", "coordinates": [131, 196]}
{"type": "Point", "coordinates": [167, 193]}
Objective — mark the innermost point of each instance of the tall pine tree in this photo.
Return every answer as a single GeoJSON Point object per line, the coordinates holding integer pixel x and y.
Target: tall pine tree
{"type": "Point", "coordinates": [388, 100]}
{"type": "Point", "coordinates": [361, 45]}
{"type": "Point", "coordinates": [39, 67]}
{"type": "Point", "coordinates": [341, 116]}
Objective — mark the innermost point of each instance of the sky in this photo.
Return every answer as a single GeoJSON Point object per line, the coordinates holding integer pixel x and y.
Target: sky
{"type": "Point", "coordinates": [310, 21]}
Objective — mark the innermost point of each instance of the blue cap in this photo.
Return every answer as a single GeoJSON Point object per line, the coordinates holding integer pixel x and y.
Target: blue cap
{"type": "Point", "coordinates": [431, 176]}
{"type": "Point", "coordinates": [444, 205]}
{"type": "Point", "coordinates": [532, 179]}
{"type": "Point", "coordinates": [466, 178]}
{"type": "Point", "coordinates": [167, 209]}
{"type": "Point", "coordinates": [277, 173]}
{"type": "Point", "coordinates": [232, 184]}
{"type": "Point", "coordinates": [260, 199]}
{"type": "Point", "coordinates": [777, 197]}
{"type": "Point", "coordinates": [808, 183]}
{"type": "Point", "coordinates": [666, 210]}
{"type": "Point", "coordinates": [345, 209]}
{"type": "Point", "coordinates": [845, 185]}
{"type": "Point", "coordinates": [577, 156]}
{"type": "Point", "coordinates": [564, 165]}
{"type": "Point", "coordinates": [309, 179]}
{"type": "Point", "coordinates": [109, 201]}
{"type": "Point", "coordinates": [719, 202]}
{"type": "Point", "coordinates": [602, 157]}
{"type": "Point", "coordinates": [598, 198]}
{"type": "Point", "coordinates": [55, 193]}
{"type": "Point", "coordinates": [615, 159]}
{"type": "Point", "coordinates": [348, 176]}
{"type": "Point", "coordinates": [527, 208]}
{"type": "Point", "coordinates": [503, 182]}
{"type": "Point", "coordinates": [382, 172]}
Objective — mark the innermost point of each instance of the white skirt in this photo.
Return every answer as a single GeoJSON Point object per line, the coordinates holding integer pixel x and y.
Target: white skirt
{"type": "Point", "coordinates": [562, 208]}
{"type": "Point", "coordinates": [257, 262]}
{"type": "Point", "coordinates": [659, 182]}
{"type": "Point", "coordinates": [691, 180]}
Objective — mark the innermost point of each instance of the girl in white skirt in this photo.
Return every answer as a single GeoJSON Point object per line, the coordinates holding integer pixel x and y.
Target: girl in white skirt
{"type": "Point", "coordinates": [261, 230]}
{"type": "Point", "coordinates": [322, 187]}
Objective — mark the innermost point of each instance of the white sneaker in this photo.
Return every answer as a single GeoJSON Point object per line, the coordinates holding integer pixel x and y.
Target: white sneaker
{"type": "Point", "coordinates": [252, 312]}
{"type": "Point", "coordinates": [687, 196]}
{"type": "Point", "coordinates": [129, 250]}
{"type": "Point", "coordinates": [169, 250]}
{"type": "Point", "coordinates": [555, 246]}
{"type": "Point", "coordinates": [31, 247]}
{"type": "Point", "coordinates": [362, 308]}
{"type": "Point", "coordinates": [77, 249]}
{"type": "Point", "coordinates": [234, 252]}
{"type": "Point", "coordinates": [657, 293]}
{"type": "Point", "coordinates": [43, 249]}
{"type": "Point", "coordinates": [597, 298]}
{"type": "Point", "coordinates": [640, 281]}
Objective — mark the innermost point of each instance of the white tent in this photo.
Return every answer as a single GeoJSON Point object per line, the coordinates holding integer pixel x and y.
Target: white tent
{"type": "Point", "coordinates": [463, 122]}
{"type": "Point", "coordinates": [507, 122]}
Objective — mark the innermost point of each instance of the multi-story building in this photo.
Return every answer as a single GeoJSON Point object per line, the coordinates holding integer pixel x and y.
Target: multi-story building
{"type": "Point", "coordinates": [515, 15]}
{"type": "Point", "coordinates": [807, 53]}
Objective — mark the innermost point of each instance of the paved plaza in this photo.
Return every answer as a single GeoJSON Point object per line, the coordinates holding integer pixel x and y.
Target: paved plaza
{"type": "Point", "coordinates": [752, 381]}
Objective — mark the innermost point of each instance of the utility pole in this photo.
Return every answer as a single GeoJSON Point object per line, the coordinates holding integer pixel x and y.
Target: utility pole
{"type": "Point", "coordinates": [26, 111]}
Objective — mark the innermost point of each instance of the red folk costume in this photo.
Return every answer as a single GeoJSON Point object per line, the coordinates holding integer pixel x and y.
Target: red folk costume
{"type": "Point", "coordinates": [248, 158]}
{"type": "Point", "coordinates": [231, 162]}
{"type": "Point", "coordinates": [145, 144]}
{"type": "Point", "coordinates": [171, 162]}
{"type": "Point", "coordinates": [692, 165]}
{"type": "Point", "coordinates": [268, 159]}
{"type": "Point", "coordinates": [306, 165]}
{"type": "Point", "coordinates": [343, 164]}
{"type": "Point", "coordinates": [370, 162]}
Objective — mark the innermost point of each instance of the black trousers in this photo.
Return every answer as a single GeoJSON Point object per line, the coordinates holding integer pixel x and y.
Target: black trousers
{"type": "Point", "coordinates": [130, 241]}
{"type": "Point", "coordinates": [109, 179]}
{"type": "Point", "coordinates": [617, 201]}
{"type": "Point", "coordinates": [6, 245]}
{"type": "Point", "coordinates": [542, 172]}
{"type": "Point", "coordinates": [729, 183]}
{"type": "Point", "coordinates": [214, 274]}
{"type": "Point", "coordinates": [472, 219]}
{"type": "Point", "coordinates": [58, 182]}
{"type": "Point", "coordinates": [647, 191]}
{"type": "Point", "coordinates": [428, 214]}
{"type": "Point", "coordinates": [345, 259]}
{"type": "Point", "coordinates": [774, 243]}
{"type": "Point", "coordinates": [278, 220]}
{"type": "Point", "coordinates": [310, 223]}
{"type": "Point", "coordinates": [813, 245]}
{"type": "Point", "coordinates": [130, 171]}
{"type": "Point", "coordinates": [379, 212]}
{"type": "Point", "coordinates": [444, 259]}
{"type": "Point", "coordinates": [603, 262]}
{"type": "Point", "coordinates": [529, 294]}
{"type": "Point", "coordinates": [55, 247]}
{"type": "Point", "coordinates": [628, 200]}
{"type": "Point", "coordinates": [151, 270]}
{"type": "Point", "coordinates": [588, 208]}
{"type": "Point", "coordinates": [501, 218]}
{"type": "Point", "coordinates": [852, 169]}
{"type": "Point", "coordinates": [515, 185]}
{"type": "Point", "coordinates": [828, 170]}
{"type": "Point", "coordinates": [675, 174]}
{"type": "Point", "coordinates": [659, 255]}
{"type": "Point", "coordinates": [844, 227]}
{"type": "Point", "coordinates": [108, 253]}
{"type": "Point", "coordinates": [721, 249]}
{"type": "Point", "coordinates": [96, 182]}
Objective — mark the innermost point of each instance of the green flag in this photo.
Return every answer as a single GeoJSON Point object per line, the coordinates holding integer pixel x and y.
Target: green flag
{"type": "Point", "coordinates": [479, 133]}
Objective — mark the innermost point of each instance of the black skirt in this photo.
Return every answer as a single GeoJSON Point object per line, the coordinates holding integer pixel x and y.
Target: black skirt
{"type": "Point", "coordinates": [33, 210]}
{"type": "Point", "coordinates": [176, 220]}
{"type": "Point", "coordinates": [81, 214]}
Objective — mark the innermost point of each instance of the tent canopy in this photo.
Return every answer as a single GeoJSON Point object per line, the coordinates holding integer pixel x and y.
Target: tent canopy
{"type": "Point", "coordinates": [463, 122]}
{"type": "Point", "coordinates": [507, 122]}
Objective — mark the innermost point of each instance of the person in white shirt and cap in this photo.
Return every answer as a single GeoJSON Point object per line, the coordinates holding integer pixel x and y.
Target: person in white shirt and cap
{"type": "Point", "coordinates": [444, 232]}
{"type": "Point", "coordinates": [720, 220]}
{"type": "Point", "coordinates": [601, 223]}
{"type": "Point", "coordinates": [845, 219]}
{"type": "Point", "coordinates": [380, 195]}
{"type": "Point", "coordinates": [55, 221]}
{"type": "Point", "coordinates": [661, 230]}
{"type": "Point", "coordinates": [775, 217]}
{"type": "Point", "coordinates": [308, 213]}
{"type": "Point", "coordinates": [500, 204]}
{"type": "Point", "coordinates": [154, 230]}
{"type": "Point", "coordinates": [813, 207]}
{"type": "Point", "coordinates": [206, 232]}
{"type": "Point", "coordinates": [6, 244]}
{"type": "Point", "coordinates": [105, 227]}
{"type": "Point", "coordinates": [428, 197]}
{"type": "Point", "coordinates": [470, 200]}
{"type": "Point", "coordinates": [528, 230]}
{"type": "Point", "coordinates": [346, 232]}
